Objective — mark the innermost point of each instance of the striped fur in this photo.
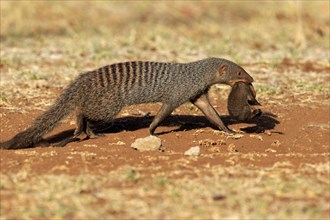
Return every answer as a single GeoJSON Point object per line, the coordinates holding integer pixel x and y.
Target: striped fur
{"type": "Point", "coordinates": [100, 94]}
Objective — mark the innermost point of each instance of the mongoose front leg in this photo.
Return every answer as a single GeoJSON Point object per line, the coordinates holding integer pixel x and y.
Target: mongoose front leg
{"type": "Point", "coordinates": [81, 125]}
{"type": "Point", "coordinates": [164, 111]}
{"type": "Point", "coordinates": [84, 127]}
{"type": "Point", "coordinates": [203, 103]}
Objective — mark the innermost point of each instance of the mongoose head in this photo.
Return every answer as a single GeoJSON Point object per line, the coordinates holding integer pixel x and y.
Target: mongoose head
{"type": "Point", "coordinates": [231, 73]}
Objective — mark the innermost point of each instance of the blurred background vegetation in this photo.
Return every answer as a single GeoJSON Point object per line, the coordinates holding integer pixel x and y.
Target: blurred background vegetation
{"type": "Point", "coordinates": [171, 30]}
{"type": "Point", "coordinates": [58, 39]}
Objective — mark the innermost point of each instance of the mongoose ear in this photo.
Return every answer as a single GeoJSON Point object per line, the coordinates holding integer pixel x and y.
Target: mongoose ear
{"type": "Point", "coordinates": [223, 69]}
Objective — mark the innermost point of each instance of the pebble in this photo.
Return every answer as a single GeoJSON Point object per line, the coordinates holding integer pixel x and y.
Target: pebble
{"type": "Point", "coordinates": [232, 148]}
{"type": "Point", "coordinates": [150, 143]}
{"type": "Point", "coordinates": [193, 151]}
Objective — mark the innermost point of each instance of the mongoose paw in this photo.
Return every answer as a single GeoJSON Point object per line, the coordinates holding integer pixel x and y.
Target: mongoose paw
{"type": "Point", "coordinates": [152, 132]}
{"type": "Point", "coordinates": [95, 135]}
{"type": "Point", "coordinates": [231, 132]}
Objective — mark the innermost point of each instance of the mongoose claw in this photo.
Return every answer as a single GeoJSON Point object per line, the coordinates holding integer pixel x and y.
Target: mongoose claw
{"type": "Point", "coordinates": [230, 132]}
{"type": "Point", "coordinates": [95, 135]}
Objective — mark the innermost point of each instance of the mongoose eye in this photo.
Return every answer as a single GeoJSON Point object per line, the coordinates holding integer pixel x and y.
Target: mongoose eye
{"type": "Point", "coordinates": [239, 73]}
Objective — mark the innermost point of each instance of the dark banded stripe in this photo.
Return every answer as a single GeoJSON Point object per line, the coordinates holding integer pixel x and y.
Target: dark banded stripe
{"type": "Point", "coordinates": [128, 76]}
{"type": "Point", "coordinates": [152, 74]}
{"type": "Point", "coordinates": [161, 71]}
{"type": "Point", "coordinates": [107, 75]}
{"type": "Point", "coordinates": [113, 68]}
{"type": "Point", "coordinates": [119, 74]}
{"type": "Point", "coordinates": [147, 78]}
{"type": "Point", "coordinates": [166, 72]}
{"type": "Point", "coordinates": [145, 70]}
{"type": "Point", "coordinates": [144, 78]}
{"type": "Point", "coordinates": [134, 73]}
{"type": "Point", "coordinates": [140, 73]}
{"type": "Point", "coordinates": [155, 75]}
{"type": "Point", "coordinates": [101, 79]}
{"type": "Point", "coordinates": [123, 77]}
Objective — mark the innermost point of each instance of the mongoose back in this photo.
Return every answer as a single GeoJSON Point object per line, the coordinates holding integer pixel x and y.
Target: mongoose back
{"type": "Point", "coordinates": [240, 98]}
{"type": "Point", "coordinates": [97, 96]}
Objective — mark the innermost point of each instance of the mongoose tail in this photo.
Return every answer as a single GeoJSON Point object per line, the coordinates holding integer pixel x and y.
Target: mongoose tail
{"type": "Point", "coordinates": [46, 122]}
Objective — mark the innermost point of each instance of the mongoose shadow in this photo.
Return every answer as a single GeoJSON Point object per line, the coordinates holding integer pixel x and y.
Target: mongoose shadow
{"type": "Point", "coordinates": [266, 121]}
{"type": "Point", "coordinates": [184, 123]}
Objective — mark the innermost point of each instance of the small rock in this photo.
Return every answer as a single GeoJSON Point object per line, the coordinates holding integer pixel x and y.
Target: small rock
{"type": "Point", "coordinates": [268, 133]}
{"type": "Point", "coordinates": [214, 149]}
{"type": "Point", "coordinates": [276, 143]}
{"type": "Point", "coordinates": [150, 143]}
{"type": "Point", "coordinates": [193, 151]}
{"type": "Point", "coordinates": [209, 143]}
{"type": "Point", "coordinates": [232, 148]}
{"type": "Point", "coordinates": [218, 197]}
{"type": "Point", "coordinates": [256, 137]}
{"type": "Point", "coordinates": [270, 150]}
{"type": "Point", "coordinates": [235, 136]}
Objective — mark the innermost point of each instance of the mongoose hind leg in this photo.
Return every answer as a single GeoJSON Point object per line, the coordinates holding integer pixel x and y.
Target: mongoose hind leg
{"type": "Point", "coordinates": [203, 103]}
{"type": "Point", "coordinates": [90, 133]}
{"type": "Point", "coordinates": [81, 125]}
{"type": "Point", "coordinates": [164, 111]}
{"type": "Point", "coordinates": [83, 128]}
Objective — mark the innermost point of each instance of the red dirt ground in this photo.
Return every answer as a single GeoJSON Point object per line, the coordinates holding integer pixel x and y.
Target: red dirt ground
{"type": "Point", "coordinates": [299, 134]}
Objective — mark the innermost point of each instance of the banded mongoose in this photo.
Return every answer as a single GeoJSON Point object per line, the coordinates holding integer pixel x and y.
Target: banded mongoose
{"type": "Point", "coordinates": [240, 98]}
{"type": "Point", "coordinates": [97, 96]}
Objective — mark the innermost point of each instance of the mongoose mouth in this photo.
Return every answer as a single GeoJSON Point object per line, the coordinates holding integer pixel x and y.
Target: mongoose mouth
{"type": "Point", "coordinates": [234, 81]}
